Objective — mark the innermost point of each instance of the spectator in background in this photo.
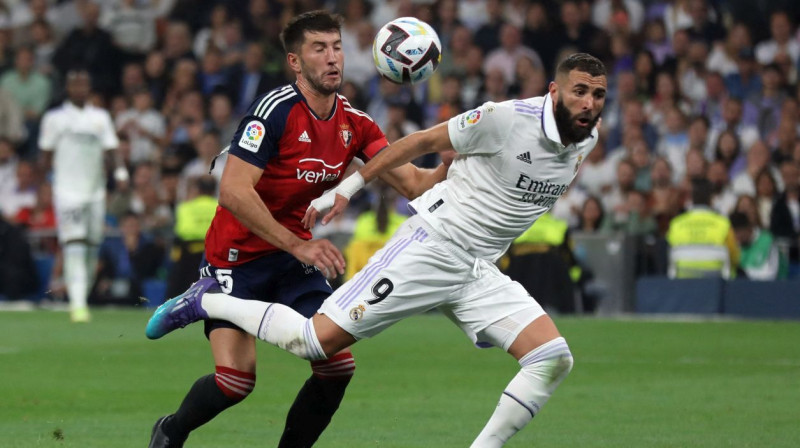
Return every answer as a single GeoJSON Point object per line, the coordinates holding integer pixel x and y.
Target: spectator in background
{"type": "Point", "coordinates": [764, 108]}
{"type": "Point", "coordinates": [495, 87]}
{"type": "Point", "coordinates": [177, 44]}
{"type": "Point", "coordinates": [360, 66]}
{"type": "Point", "coordinates": [248, 79]}
{"type": "Point", "coordinates": [30, 89]}
{"type": "Point", "coordinates": [212, 75]}
{"type": "Point", "coordinates": [746, 82]}
{"type": "Point", "coordinates": [702, 243]}
{"type": "Point", "coordinates": [757, 161]}
{"type": "Point", "coordinates": [579, 34]}
{"type": "Point", "coordinates": [208, 146]}
{"type": "Point", "coordinates": [132, 25]}
{"type": "Point", "coordinates": [597, 171]}
{"type": "Point", "coordinates": [785, 220]}
{"type": "Point", "coordinates": [723, 200]}
{"type": "Point", "coordinates": [728, 151]}
{"type": "Point", "coordinates": [537, 34]}
{"type": "Point", "coordinates": [732, 120]}
{"type": "Point", "coordinates": [747, 204]}
{"type": "Point", "coordinates": [656, 41]}
{"type": "Point", "coordinates": [782, 41]}
{"type": "Point", "coordinates": [785, 140]}
{"type": "Point", "coordinates": [220, 117]}
{"type": "Point", "coordinates": [766, 192]}
{"type": "Point", "coordinates": [192, 220]}
{"type": "Point", "coordinates": [17, 270]}
{"type": "Point", "coordinates": [510, 51]}
{"type": "Point", "coordinates": [126, 262]}
{"type": "Point", "coordinates": [703, 25]}
{"type": "Point", "coordinates": [44, 47]}
{"type": "Point", "coordinates": [41, 216]}
{"type": "Point", "coordinates": [450, 104]}
{"type": "Point", "coordinates": [213, 35]}
{"type": "Point", "coordinates": [133, 79]}
{"type": "Point", "coordinates": [710, 107]}
{"type": "Point", "coordinates": [8, 168]}
{"type": "Point", "coordinates": [456, 56]}
{"type": "Point", "coordinates": [666, 200]}
{"type": "Point", "coordinates": [760, 259]}
{"type": "Point", "coordinates": [12, 127]}
{"type": "Point", "coordinates": [487, 38]}
{"type": "Point", "coordinates": [473, 78]}
{"type": "Point", "coordinates": [674, 142]}
{"type": "Point", "coordinates": [144, 127]}
{"type": "Point", "coordinates": [22, 191]}
{"type": "Point", "coordinates": [614, 201]}
{"type": "Point", "coordinates": [592, 216]}
{"type": "Point", "coordinates": [90, 47]}
{"type": "Point", "coordinates": [724, 55]}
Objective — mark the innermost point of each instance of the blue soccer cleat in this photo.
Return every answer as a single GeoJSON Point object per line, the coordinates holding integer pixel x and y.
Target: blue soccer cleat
{"type": "Point", "coordinates": [180, 311]}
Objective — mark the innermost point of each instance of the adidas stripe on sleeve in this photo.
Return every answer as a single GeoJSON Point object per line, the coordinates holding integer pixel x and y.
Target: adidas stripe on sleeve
{"type": "Point", "coordinates": [256, 139]}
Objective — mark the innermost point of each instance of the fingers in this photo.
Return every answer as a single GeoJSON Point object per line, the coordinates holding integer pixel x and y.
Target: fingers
{"type": "Point", "coordinates": [310, 218]}
{"type": "Point", "coordinates": [330, 261]}
{"type": "Point", "coordinates": [338, 207]}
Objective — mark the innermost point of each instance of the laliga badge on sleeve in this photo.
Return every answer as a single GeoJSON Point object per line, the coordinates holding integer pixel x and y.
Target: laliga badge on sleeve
{"type": "Point", "coordinates": [252, 136]}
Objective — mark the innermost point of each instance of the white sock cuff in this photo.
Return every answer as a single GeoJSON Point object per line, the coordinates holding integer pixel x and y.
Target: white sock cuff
{"type": "Point", "coordinates": [556, 348]}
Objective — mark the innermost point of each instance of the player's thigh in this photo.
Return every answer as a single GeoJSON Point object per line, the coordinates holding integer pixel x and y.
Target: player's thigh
{"type": "Point", "coordinates": [408, 276]}
{"type": "Point", "coordinates": [536, 333]}
{"type": "Point", "coordinates": [72, 219]}
{"type": "Point", "coordinates": [233, 348]}
{"type": "Point", "coordinates": [494, 310]}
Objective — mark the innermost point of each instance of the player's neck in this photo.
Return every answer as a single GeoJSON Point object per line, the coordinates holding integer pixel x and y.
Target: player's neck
{"type": "Point", "coordinates": [321, 104]}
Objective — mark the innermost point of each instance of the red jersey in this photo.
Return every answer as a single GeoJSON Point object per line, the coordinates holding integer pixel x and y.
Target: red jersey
{"type": "Point", "coordinates": [302, 156]}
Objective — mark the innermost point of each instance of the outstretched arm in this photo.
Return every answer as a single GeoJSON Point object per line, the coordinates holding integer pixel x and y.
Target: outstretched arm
{"type": "Point", "coordinates": [408, 181]}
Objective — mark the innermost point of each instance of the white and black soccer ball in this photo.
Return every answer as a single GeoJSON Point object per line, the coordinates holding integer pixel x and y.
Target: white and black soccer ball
{"type": "Point", "coordinates": [406, 50]}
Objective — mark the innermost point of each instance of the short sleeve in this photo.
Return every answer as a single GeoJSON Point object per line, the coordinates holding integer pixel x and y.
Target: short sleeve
{"type": "Point", "coordinates": [47, 133]}
{"type": "Point", "coordinates": [109, 137]}
{"type": "Point", "coordinates": [482, 130]}
{"type": "Point", "coordinates": [256, 139]}
{"type": "Point", "coordinates": [373, 138]}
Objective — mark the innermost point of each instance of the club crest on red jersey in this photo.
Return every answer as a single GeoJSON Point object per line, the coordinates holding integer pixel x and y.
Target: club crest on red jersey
{"type": "Point", "coordinates": [347, 136]}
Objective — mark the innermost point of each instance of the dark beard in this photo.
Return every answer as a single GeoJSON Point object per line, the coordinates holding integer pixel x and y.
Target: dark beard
{"type": "Point", "coordinates": [317, 84]}
{"type": "Point", "coordinates": [567, 129]}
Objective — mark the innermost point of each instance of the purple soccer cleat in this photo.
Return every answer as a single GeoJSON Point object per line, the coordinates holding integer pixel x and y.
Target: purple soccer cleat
{"type": "Point", "coordinates": [182, 310]}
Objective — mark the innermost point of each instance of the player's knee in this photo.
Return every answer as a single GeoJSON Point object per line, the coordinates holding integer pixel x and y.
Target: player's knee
{"type": "Point", "coordinates": [235, 384]}
{"type": "Point", "coordinates": [341, 366]}
{"type": "Point", "coordinates": [551, 362]}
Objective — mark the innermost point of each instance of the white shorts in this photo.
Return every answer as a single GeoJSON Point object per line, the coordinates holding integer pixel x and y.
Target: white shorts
{"type": "Point", "coordinates": [80, 220]}
{"type": "Point", "coordinates": [418, 270]}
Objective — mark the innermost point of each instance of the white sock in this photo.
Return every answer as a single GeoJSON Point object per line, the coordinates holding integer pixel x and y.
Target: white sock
{"type": "Point", "coordinates": [277, 324]}
{"type": "Point", "coordinates": [76, 274]}
{"type": "Point", "coordinates": [92, 255]}
{"type": "Point", "coordinates": [542, 371]}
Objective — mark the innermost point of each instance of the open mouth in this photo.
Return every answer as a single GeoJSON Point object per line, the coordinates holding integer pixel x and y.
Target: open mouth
{"type": "Point", "coordinates": [583, 121]}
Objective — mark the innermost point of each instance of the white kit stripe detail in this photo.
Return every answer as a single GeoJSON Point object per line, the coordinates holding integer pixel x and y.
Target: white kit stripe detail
{"type": "Point", "coordinates": [268, 98]}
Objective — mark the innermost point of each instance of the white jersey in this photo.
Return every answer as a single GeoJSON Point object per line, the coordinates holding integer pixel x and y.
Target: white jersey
{"type": "Point", "coordinates": [511, 169]}
{"type": "Point", "coordinates": [78, 136]}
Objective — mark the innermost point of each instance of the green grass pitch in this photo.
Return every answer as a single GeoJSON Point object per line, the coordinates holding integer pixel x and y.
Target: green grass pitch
{"type": "Point", "coordinates": [420, 384]}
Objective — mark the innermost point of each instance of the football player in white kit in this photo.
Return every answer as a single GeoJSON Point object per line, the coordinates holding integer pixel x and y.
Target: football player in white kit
{"type": "Point", "coordinates": [73, 140]}
{"type": "Point", "coordinates": [515, 159]}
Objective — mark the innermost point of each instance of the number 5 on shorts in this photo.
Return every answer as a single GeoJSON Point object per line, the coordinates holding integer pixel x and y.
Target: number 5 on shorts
{"type": "Point", "coordinates": [225, 280]}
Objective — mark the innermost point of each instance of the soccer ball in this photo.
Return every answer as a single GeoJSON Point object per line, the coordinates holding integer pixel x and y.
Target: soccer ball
{"type": "Point", "coordinates": [406, 50]}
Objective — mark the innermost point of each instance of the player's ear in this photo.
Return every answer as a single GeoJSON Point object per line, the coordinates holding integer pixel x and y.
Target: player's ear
{"type": "Point", "coordinates": [553, 89]}
{"type": "Point", "coordinates": [294, 62]}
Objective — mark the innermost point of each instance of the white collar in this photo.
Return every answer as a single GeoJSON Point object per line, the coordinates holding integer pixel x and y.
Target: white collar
{"type": "Point", "coordinates": [551, 129]}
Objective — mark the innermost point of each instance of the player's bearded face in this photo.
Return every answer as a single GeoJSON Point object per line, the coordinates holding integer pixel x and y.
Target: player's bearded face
{"type": "Point", "coordinates": [574, 127]}
{"type": "Point", "coordinates": [325, 80]}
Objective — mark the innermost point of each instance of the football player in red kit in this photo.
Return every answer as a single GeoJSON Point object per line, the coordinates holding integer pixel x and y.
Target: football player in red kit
{"type": "Point", "coordinates": [295, 142]}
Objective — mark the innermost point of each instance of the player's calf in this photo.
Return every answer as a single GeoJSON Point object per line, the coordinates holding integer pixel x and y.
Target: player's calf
{"type": "Point", "coordinates": [542, 370]}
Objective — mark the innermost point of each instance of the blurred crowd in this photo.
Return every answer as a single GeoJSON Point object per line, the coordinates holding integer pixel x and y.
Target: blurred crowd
{"type": "Point", "coordinates": [697, 89]}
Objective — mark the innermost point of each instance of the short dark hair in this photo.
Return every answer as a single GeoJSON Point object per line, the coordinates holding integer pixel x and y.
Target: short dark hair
{"type": "Point", "coordinates": [583, 62]}
{"type": "Point", "coordinates": [293, 34]}
{"type": "Point", "coordinates": [701, 191]}
{"type": "Point", "coordinates": [740, 220]}
{"type": "Point", "coordinates": [206, 185]}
